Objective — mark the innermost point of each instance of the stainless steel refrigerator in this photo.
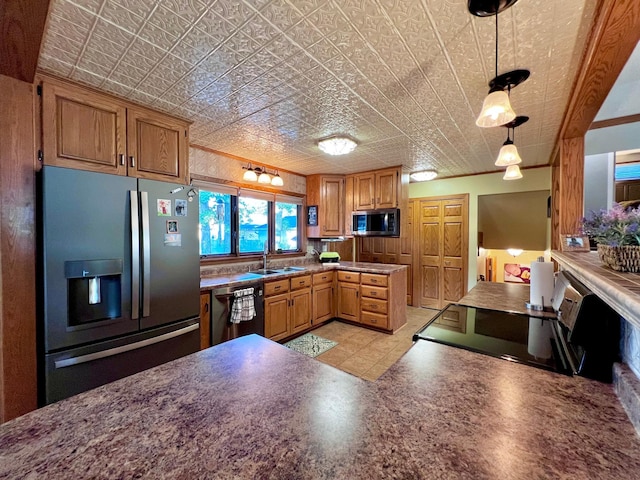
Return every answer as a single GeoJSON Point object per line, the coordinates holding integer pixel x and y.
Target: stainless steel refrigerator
{"type": "Point", "coordinates": [121, 277]}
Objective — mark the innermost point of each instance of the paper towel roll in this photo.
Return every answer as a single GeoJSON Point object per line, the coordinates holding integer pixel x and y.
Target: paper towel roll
{"type": "Point", "coordinates": [541, 283]}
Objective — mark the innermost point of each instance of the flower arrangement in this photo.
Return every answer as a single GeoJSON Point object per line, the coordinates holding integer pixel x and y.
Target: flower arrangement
{"type": "Point", "coordinates": [616, 228]}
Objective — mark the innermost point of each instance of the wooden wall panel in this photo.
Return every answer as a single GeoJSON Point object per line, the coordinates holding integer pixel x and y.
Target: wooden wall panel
{"type": "Point", "coordinates": [18, 375]}
{"type": "Point", "coordinates": [22, 24]}
{"type": "Point", "coordinates": [571, 185]}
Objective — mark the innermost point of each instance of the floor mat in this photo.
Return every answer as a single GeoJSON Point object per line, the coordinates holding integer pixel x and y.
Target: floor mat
{"type": "Point", "coordinates": [310, 345]}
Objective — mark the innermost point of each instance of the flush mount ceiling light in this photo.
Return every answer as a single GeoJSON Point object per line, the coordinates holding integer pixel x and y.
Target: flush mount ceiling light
{"type": "Point", "coordinates": [512, 173]}
{"type": "Point", "coordinates": [514, 252]}
{"type": "Point", "coordinates": [337, 145]}
{"type": "Point", "coordinates": [496, 108]}
{"type": "Point", "coordinates": [509, 153]}
{"type": "Point", "coordinates": [424, 176]}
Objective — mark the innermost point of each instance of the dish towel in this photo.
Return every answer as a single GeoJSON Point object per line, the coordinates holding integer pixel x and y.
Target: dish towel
{"type": "Point", "coordinates": [243, 308]}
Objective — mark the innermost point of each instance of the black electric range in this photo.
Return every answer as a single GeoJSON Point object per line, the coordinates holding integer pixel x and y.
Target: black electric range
{"type": "Point", "coordinates": [583, 340]}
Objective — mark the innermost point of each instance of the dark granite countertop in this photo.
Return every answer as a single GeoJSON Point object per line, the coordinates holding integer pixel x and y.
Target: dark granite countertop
{"type": "Point", "coordinates": [239, 279]}
{"type": "Point", "coordinates": [251, 408]}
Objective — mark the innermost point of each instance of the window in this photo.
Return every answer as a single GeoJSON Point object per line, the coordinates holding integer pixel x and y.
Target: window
{"type": "Point", "coordinates": [236, 222]}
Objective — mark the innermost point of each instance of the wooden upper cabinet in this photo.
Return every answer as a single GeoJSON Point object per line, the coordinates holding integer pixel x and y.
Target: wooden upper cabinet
{"type": "Point", "coordinates": [376, 189]}
{"type": "Point", "coordinates": [387, 188]}
{"type": "Point", "coordinates": [364, 191]}
{"type": "Point", "coordinates": [87, 130]}
{"type": "Point", "coordinates": [83, 130]}
{"type": "Point", "coordinates": [157, 146]}
{"type": "Point", "coordinates": [326, 192]}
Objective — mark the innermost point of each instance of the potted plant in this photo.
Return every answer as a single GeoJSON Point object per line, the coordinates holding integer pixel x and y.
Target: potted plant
{"type": "Point", "coordinates": [617, 235]}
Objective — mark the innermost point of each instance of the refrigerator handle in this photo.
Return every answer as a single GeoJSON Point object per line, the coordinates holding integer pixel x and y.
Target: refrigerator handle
{"type": "Point", "coordinates": [135, 255]}
{"type": "Point", "coordinates": [146, 256]}
{"type": "Point", "coordinates": [68, 362]}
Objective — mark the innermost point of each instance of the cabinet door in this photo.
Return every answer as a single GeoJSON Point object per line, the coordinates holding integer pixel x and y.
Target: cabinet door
{"type": "Point", "coordinates": [430, 253]}
{"type": "Point", "coordinates": [332, 206]}
{"type": "Point", "coordinates": [300, 310]}
{"type": "Point", "coordinates": [323, 303]}
{"type": "Point", "coordinates": [156, 146]}
{"type": "Point", "coordinates": [348, 205]}
{"type": "Point", "coordinates": [364, 192]}
{"type": "Point", "coordinates": [205, 320]}
{"type": "Point", "coordinates": [82, 130]}
{"type": "Point", "coordinates": [348, 304]}
{"type": "Point", "coordinates": [386, 189]}
{"type": "Point", "coordinates": [453, 250]}
{"type": "Point", "coordinates": [276, 317]}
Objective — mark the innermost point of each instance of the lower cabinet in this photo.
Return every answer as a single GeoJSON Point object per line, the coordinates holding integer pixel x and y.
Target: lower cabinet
{"type": "Point", "coordinates": [323, 299]}
{"type": "Point", "coordinates": [348, 296]}
{"type": "Point", "coordinates": [205, 320]}
{"type": "Point", "coordinates": [276, 316]}
{"type": "Point", "coordinates": [287, 307]}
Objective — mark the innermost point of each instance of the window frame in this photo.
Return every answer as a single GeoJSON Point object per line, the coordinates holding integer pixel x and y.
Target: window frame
{"type": "Point", "coordinates": [275, 196]}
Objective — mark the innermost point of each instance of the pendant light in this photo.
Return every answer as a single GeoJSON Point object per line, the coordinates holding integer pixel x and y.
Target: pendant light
{"type": "Point", "coordinates": [496, 108]}
{"type": "Point", "coordinates": [512, 173]}
{"type": "Point", "coordinates": [509, 153]}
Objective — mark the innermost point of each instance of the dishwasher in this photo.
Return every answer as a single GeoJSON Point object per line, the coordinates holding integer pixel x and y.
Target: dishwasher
{"type": "Point", "coordinates": [222, 329]}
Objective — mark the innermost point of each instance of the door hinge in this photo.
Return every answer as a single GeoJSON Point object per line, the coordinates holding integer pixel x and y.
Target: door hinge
{"type": "Point", "coordinates": [39, 90]}
{"type": "Point", "coordinates": [40, 156]}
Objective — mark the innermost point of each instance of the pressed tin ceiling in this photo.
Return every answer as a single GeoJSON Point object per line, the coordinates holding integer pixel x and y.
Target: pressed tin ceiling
{"type": "Point", "coordinates": [266, 79]}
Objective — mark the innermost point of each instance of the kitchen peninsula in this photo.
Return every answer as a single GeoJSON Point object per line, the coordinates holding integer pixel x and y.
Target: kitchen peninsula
{"type": "Point", "coordinates": [250, 408]}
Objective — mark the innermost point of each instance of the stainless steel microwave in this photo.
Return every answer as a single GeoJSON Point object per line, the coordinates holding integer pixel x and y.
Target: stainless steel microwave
{"type": "Point", "coordinates": [376, 223]}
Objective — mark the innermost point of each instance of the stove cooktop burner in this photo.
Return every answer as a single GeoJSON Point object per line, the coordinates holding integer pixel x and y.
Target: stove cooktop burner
{"type": "Point", "coordinates": [538, 342]}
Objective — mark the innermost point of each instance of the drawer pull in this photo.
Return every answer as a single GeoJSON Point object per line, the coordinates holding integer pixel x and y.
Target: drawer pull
{"type": "Point", "coordinates": [301, 282]}
{"type": "Point", "coordinates": [277, 287]}
{"type": "Point", "coordinates": [373, 320]}
{"type": "Point", "coordinates": [373, 294]}
{"type": "Point", "coordinates": [373, 280]}
{"type": "Point", "coordinates": [375, 307]}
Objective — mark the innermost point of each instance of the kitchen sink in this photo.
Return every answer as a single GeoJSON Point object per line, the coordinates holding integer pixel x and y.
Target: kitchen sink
{"type": "Point", "coordinates": [292, 269]}
{"type": "Point", "coordinates": [248, 276]}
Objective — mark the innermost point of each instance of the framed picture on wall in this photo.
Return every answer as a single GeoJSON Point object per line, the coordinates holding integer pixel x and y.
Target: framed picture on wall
{"type": "Point", "coordinates": [312, 215]}
{"type": "Point", "coordinates": [516, 273]}
{"type": "Point", "coordinates": [574, 243]}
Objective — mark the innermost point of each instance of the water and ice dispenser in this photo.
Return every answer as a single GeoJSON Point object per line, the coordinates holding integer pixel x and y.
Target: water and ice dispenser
{"type": "Point", "coordinates": [93, 290]}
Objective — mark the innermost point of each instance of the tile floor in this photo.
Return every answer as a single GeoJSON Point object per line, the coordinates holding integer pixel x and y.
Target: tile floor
{"type": "Point", "coordinates": [366, 353]}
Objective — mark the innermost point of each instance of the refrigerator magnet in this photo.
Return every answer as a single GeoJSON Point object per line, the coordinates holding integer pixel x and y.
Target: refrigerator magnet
{"type": "Point", "coordinates": [181, 208]}
{"type": "Point", "coordinates": [164, 208]}
{"type": "Point", "coordinates": [172, 226]}
{"type": "Point", "coordinates": [173, 240]}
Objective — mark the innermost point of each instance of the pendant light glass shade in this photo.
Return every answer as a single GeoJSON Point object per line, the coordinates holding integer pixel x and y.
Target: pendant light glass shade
{"type": "Point", "coordinates": [508, 155]}
{"type": "Point", "coordinates": [512, 173]}
{"type": "Point", "coordinates": [250, 176]}
{"type": "Point", "coordinates": [276, 181]}
{"type": "Point", "coordinates": [264, 178]}
{"type": "Point", "coordinates": [496, 110]}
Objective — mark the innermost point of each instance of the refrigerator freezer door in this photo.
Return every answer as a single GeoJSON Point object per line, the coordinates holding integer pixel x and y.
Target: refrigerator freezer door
{"type": "Point", "coordinates": [86, 222]}
{"type": "Point", "coordinates": [170, 254]}
{"type": "Point", "coordinates": [77, 370]}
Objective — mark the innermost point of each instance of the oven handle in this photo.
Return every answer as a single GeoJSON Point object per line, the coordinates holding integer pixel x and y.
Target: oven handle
{"type": "Point", "coordinates": [68, 362]}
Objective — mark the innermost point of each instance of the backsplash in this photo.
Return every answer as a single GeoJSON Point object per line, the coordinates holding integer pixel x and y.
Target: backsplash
{"type": "Point", "coordinates": [241, 267]}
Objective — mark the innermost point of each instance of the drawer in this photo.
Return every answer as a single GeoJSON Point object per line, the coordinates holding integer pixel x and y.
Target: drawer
{"type": "Point", "coordinates": [348, 277]}
{"type": "Point", "coordinates": [373, 305]}
{"type": "Point", "coordinates": [375, 320]}
{"type": "Point", "coordinates": [374, 292]}
{"type": "Point", "coordinates": [274, 288]}
{"type": "Point", "coordinates": [373, 279]}
{"type": "Point", "coordinates": [300, 282]}
{"type": "Point", "coordinates": [324, 277]}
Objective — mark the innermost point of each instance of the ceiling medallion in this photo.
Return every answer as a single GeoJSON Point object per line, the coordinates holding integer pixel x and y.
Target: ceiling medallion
{"type": "Point", "coordinates": [337, 145]}
{"type": "Point", "coordinates": [487, 8]}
